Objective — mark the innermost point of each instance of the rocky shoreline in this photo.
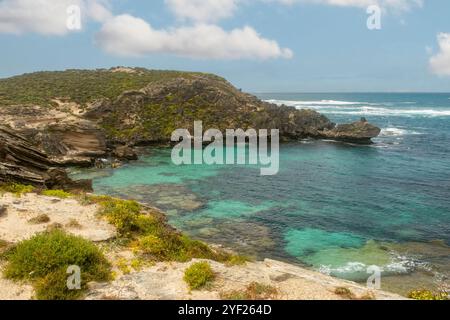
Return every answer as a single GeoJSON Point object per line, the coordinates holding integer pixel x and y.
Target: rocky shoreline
{"type": "Point", "coordinates": [57, 132]}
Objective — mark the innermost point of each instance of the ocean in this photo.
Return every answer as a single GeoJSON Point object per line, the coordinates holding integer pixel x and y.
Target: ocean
{"type": "Point", "coordinates": [334, 207]}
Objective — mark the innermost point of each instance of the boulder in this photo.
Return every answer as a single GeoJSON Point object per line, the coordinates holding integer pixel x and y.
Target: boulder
{"type": "Point", "coordinates": [124, 153]}
{"type": "Point", "coordinates": [358, 132]}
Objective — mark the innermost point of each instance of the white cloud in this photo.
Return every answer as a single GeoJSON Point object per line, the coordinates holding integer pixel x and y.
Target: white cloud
{"type": "Point", "coordinates": [130, 36]}
{"type": "Point", "coordinates": [395, 5]}
{"type": "Point", "coordinates": [440, 62]}
{"type": "Point", "coordinates": [215, 10]}
{"type": "Point", "coordinates": [46, 16]}
{"type": "Point", "coordinates": [202, 10]}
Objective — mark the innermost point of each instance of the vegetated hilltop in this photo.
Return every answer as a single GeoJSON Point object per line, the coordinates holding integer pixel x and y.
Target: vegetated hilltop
{"type": "Point", "coordinates": [80, 86]}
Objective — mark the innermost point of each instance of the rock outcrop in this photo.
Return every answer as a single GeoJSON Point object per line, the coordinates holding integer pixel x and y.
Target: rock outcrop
{"type": "Point", "coordinates": [124, 153]}
{"type": "Point", "coordinates": [60, 132]}
{"type": "Point", "coordinates": [150, 114]}
{"type": "Point", "coordinates": [22, 162]}
{"type": "Point", "coordinates": [358, 132]}
{"type": "Point", "coordinates": [78, 116]}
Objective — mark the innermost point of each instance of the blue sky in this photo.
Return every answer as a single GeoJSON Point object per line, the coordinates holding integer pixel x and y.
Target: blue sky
{"type": "Point", "coordinates": [290, 45]}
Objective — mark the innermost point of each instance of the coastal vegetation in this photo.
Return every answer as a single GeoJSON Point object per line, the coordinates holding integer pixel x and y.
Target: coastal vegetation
{"type": "Point", "coordinates": [43, 260]}
{"type": "Point", "coordinates": [199, 275]}
{"type": "Point", "coordinates": [79, 86]}
{"type": "Point", "coordinates": [149, 235]}
{"type": "Point", "coordinates": [141, 230]}
{"type": "Point", "coordinates": [425, 294]}
{"type": "Point", "coordinates": [57, 194]}
{"type": "Point", "coordinates": [15, 188]}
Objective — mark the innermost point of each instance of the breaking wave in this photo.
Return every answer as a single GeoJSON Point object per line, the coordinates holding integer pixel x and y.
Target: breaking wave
{"type": "Point", "coordinates": [363, 108]}
{"type": "Point", "coordinates": [355, 270]}
{"type": "Point", "coordinates": [395, 132]}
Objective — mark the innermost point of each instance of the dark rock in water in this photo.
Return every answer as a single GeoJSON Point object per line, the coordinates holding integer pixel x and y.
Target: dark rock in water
{"type": "Point", "coordinates": [357, 132]}
{"type": "Point", "coordinates": [21, 162]}
{"type": "Point", "coordinates": [124, 153]}
{"type": "Point", "coordinates": [58, 179]}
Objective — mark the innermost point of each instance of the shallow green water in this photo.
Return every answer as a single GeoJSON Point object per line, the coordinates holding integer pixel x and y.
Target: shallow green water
{"type": "Point", "coordinates": [335, 207]}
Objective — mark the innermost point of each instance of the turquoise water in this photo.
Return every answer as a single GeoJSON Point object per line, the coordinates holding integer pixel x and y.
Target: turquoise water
{"type": "Point", "coordinates": [334, 207]}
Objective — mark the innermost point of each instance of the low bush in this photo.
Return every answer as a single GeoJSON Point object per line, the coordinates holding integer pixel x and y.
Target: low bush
{"type": "Point", "coordinates": [44, 259]}
{"type": "Point", "coordinates": [16, 188]}
{"type": "Point", "coordinates": [425, 294]}
{"type": "Point", "coordinates": [56, 193]}
{"type": "Point", "coordinates": [123, 214]}
{"type": "Point", "coordinates": [199, 275]}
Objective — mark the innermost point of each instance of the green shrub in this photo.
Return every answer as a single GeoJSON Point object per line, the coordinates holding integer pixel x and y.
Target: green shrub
{"type": "Point", "coordinates": [150, 225]}
{"type": "Point", "coordinates": [198, 275]}
{"type": "Point", "coordinates": [54, 287]}
{"type": "Point", "coordinates": [46, 256]}
{"type": "Point", "coordinates": [237, 260]}
{"type": "Point", "coordinates": [123, 214]}
{"type": "Point", "coordinates": [16, 188]}
{"type": "Point", "coordinates": [154, 246]}
{"type": "Point", "coordinates": [152, 236]}
{"type": "Point", "coordinates": [56, 193]}
{"type": "Point", "coordinates": [424, 294]}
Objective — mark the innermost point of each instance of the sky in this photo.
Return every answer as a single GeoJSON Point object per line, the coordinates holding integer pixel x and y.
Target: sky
{"type": "Point", "coordinates": [258, 45]}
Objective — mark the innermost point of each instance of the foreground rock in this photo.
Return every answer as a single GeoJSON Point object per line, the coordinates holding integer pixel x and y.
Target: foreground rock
{"type": "Point", "coordinates": [21, 162]}
{"type": "Point", "coordinates": [164, 281]}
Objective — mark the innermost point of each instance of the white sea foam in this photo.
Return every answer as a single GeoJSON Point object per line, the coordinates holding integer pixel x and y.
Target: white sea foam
{"type": "Point", "coordinates": [374, 111]}
{"type": "Point", "coordinates": [398, 265]}
{"type": "Point", "coordinates": [294, 103]}
{"type": "Point", "coordinates": [393, 132]}
{"type": "Point", "coordinates": [361, 108]}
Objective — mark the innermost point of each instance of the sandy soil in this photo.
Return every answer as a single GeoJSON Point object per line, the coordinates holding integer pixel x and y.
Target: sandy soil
{"type": "Point", "coordinates": [15, 225]}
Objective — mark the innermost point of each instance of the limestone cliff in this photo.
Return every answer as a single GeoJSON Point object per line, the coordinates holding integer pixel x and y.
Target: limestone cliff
{"type": "Point", "coordinates": [22, 162]}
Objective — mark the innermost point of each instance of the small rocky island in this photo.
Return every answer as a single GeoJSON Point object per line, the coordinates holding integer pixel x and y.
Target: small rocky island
{"type": "Point", "coordinates": [52, 120]}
